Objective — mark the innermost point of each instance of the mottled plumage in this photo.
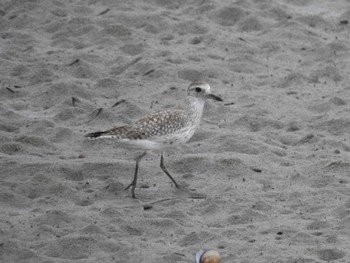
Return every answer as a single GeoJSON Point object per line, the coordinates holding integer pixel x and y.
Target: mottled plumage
{"type": "Point", "coordinates": [152, 125]}
{"type": "Point", "coordinates": [163, 129]}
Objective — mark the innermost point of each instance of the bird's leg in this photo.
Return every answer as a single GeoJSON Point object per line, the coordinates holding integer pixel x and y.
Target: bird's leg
{"type": "Point", "coordinates": [166, 171]}
{"type": "Point", "coordinates": [133, 183]}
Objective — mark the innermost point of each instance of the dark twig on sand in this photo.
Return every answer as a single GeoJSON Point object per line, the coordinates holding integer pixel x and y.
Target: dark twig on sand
{"type": "Point", "coordinates": [148, 72]}
{"type": "Point", "coordinates": [147, 207]}
{"type": "Point", "coordinates": [257, 170]}
{"type": "Point", "coordinates": [98, 111]}
{"type": "Point", "coordinates": [104, 12]}
{"type": "Point", "coordinates": [10, 90]}
{"type": "Point", "coordinates": [118, 102]}
{"type": "Point", "coordinates": [74, 62]}
{"type": "Point", "coordinates": [74, 101]}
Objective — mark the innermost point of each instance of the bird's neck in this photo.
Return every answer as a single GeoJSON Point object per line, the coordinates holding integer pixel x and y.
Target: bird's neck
{"type": "Point", "coordinates": [194, 107]}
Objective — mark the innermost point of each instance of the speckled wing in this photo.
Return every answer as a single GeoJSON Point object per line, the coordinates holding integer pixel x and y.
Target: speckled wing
{"type": "Point", "coordinates": [160, 123]}
{"type": "Point", "coordinates": [156, 124]}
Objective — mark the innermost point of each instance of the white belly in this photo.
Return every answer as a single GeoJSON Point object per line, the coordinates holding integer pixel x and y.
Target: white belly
{"type": "Point", "coordinates": [160, 143]}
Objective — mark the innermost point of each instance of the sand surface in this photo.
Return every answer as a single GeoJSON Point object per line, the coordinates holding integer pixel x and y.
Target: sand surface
{"type": "Point", "coordinates": [266, 178]}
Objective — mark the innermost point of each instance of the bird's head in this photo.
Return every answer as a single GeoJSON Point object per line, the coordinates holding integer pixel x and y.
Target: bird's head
{"type": "Point", "coordinates": [201, 89]}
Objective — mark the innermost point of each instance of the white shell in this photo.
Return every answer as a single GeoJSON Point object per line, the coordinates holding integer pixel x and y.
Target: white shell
{"type": "Point", "coordinates": [207, 256]}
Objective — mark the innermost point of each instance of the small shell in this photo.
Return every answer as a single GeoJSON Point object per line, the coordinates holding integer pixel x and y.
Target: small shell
{"type": "Point", "coordinates": [207, 256]}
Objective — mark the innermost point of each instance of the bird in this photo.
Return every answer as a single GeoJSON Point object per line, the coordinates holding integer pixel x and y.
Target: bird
{"type": "Point", "coordinates": [164, 129]}
{"type": "Point", "coordinates": [207, 256]}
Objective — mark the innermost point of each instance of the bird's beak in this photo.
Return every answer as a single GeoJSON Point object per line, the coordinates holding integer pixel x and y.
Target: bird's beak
{"type": "Point", "coordinates": [213, 97]}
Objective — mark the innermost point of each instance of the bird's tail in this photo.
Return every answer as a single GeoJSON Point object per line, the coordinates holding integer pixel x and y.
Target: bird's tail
{"type": "Point", "coordinates": [95, 135]}
{"type": "Point", "coordinates": [121, 132]}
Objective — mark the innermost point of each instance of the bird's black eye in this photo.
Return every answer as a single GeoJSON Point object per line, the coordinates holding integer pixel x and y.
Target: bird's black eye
{"type": "Point", "coordinates": [198, 89]}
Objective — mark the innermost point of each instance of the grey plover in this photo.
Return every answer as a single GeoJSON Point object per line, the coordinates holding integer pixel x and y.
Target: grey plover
{"type": "Point", "coordinates": [164, 129]}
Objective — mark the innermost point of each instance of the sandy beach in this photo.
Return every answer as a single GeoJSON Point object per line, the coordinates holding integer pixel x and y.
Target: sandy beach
{"type": "Point", "coordinates": [266, 177]}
